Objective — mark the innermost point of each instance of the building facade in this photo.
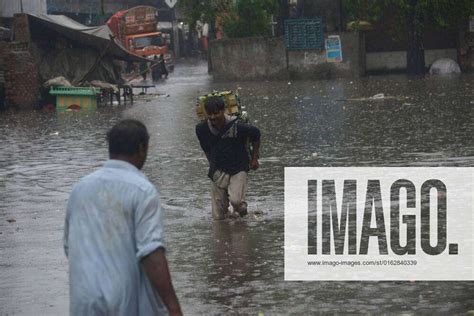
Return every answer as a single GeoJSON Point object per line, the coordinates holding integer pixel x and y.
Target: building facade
{"type": "Point", "coordinates": [9, 7]}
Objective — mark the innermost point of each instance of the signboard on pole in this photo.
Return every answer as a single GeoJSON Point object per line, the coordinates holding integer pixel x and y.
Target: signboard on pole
{"type": "Point", "coordinates": [171, 3]}
{"type": "Point", "coordinates": [304, 34]}
{"type": "Point", "coordinates": [333, 49]}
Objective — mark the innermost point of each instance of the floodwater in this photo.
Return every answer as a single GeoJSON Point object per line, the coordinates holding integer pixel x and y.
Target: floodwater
{"type": "Point", "coordinates": [230, 266]}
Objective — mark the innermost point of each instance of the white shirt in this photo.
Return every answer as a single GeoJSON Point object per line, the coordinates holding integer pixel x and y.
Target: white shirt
{"type": "Point", "coordinates": [113, 220]}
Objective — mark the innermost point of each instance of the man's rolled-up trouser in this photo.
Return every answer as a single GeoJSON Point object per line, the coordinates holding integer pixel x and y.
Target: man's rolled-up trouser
{"type": "Point", "coordinates": [225, 188]}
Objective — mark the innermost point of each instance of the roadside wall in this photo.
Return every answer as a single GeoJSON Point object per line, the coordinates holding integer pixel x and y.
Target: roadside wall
{"type": "Point", "coordinates": [263, 58]}
{"type": "Point", "coordinates": [313, 64]}
{"type": "Point", "coordinates": [466, 51]}
{"type": "Point", "coordinates": [397, 60]}
{"type": "Point", "coordinates": [250, 58]}
{"type": "Point", "coordinates": [267, 58]}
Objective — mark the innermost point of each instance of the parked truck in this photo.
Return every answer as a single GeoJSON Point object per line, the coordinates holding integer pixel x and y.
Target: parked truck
{"type": "Point", "coordinates": [136, 29]}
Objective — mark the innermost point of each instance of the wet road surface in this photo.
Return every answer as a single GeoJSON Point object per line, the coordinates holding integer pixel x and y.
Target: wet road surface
{"type": "Point", "coordinates": [230, 266]}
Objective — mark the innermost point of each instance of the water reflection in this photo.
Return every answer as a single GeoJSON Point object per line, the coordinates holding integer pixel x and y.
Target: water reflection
{"type": "Point", "coordinates": [230, 266]}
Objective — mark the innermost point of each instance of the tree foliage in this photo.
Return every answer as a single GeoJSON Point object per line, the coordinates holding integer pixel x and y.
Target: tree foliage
{"type": "Point", "coordinates": [362, 10]}
{"type": "Point", "coordinates": [246, 18]}
{"type": "Point", "coordinates": [451, 14]}
{"type": "Point", "coordinates": [446, 13]}
{"type": "Point", "coordinates": [204, 11]}
{"type": "Point", "coordinates": [250, 18]}
{"type": "Point", "coordinates": [413, 16]}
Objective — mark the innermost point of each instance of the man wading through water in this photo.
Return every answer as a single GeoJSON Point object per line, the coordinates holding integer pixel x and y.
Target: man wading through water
{"type": "Point", "coordinates": [224, 141]}
{"type": "Point", "coordinates": [113, 235]}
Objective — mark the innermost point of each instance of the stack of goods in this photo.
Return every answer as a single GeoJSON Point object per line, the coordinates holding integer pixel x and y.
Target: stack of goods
{"type": "Point", "coordinates": [231, 101]}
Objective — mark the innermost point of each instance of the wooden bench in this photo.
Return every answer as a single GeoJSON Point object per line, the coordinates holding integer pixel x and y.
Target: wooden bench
{"type": "Point", "coordinates": [127, 93]}
{"type": "Point", "coordinates": [108, 95]}
{"type": "Point", "coordinates": [144, 87]}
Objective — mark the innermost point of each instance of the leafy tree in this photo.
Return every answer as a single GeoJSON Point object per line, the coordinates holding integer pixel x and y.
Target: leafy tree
{"type": "Point", "coordinates": [246, 18]}
{"type": "Point", "coordinates": [413, 15]}
{"type": "Point", "coordinates": [205, 11]}
{"type": "Point", "coordinates": [362, 10]}
{"type": "Point", "coordinates": [250, 18]}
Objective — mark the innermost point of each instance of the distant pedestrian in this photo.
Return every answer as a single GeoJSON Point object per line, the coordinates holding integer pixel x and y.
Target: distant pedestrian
{"type": "Point", "coordinates": [164, 71]}
{"type": "Point", "coordinates": [224, 140]}
{"type": "Point", "coordinates": [128, 67]}
{"type": "Point", "coordinates": [156, 69]}
{"type": "Point", "coordinates": [143, 68]}
{"type": "Point", "coordinates": [113, 235]}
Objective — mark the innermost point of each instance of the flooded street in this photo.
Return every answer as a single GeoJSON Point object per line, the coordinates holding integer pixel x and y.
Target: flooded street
{"type": "Point", "coordinates": [230, 266]}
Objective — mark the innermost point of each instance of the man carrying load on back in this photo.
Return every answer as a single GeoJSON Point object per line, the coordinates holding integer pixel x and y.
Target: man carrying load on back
{"type": "Point", "coordinates": [224, 140]}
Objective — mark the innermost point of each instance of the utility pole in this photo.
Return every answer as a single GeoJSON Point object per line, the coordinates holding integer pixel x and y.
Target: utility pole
{"type": "Point", "coordinates": [341, 17]}
{"type": "Point", "coordinates": [21, 6]}
{"type": "Point", "coordinates": [273, 23]}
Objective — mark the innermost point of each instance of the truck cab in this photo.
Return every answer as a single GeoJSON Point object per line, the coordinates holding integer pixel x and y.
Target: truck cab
{"type": "Point", "coordinates": [136, 28]}
{"type": "Point", "coordinates": [149, 45]}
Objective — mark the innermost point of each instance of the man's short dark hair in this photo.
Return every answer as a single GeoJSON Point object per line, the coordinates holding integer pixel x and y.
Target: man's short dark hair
{"type": "Point", "coordinates": [214, 104]}
{"type": "Point", "coordinates": [125, 137]}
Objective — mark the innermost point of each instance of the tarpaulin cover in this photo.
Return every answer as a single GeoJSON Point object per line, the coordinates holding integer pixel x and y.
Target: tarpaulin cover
{"type": "Point", "coordinates": [99, 37]}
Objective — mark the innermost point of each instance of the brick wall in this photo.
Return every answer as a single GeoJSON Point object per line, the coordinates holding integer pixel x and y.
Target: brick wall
{"type": "Point", "coordinates": [20, 67]}
{"type": "Point", "coordinates": [3, 47]}
{"type": "Point", "coordinates": [21, 78]}
{"type": "Point", "coordinates": [3, 50]}
{"type": "Point", "coordinates": [21, 28]}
